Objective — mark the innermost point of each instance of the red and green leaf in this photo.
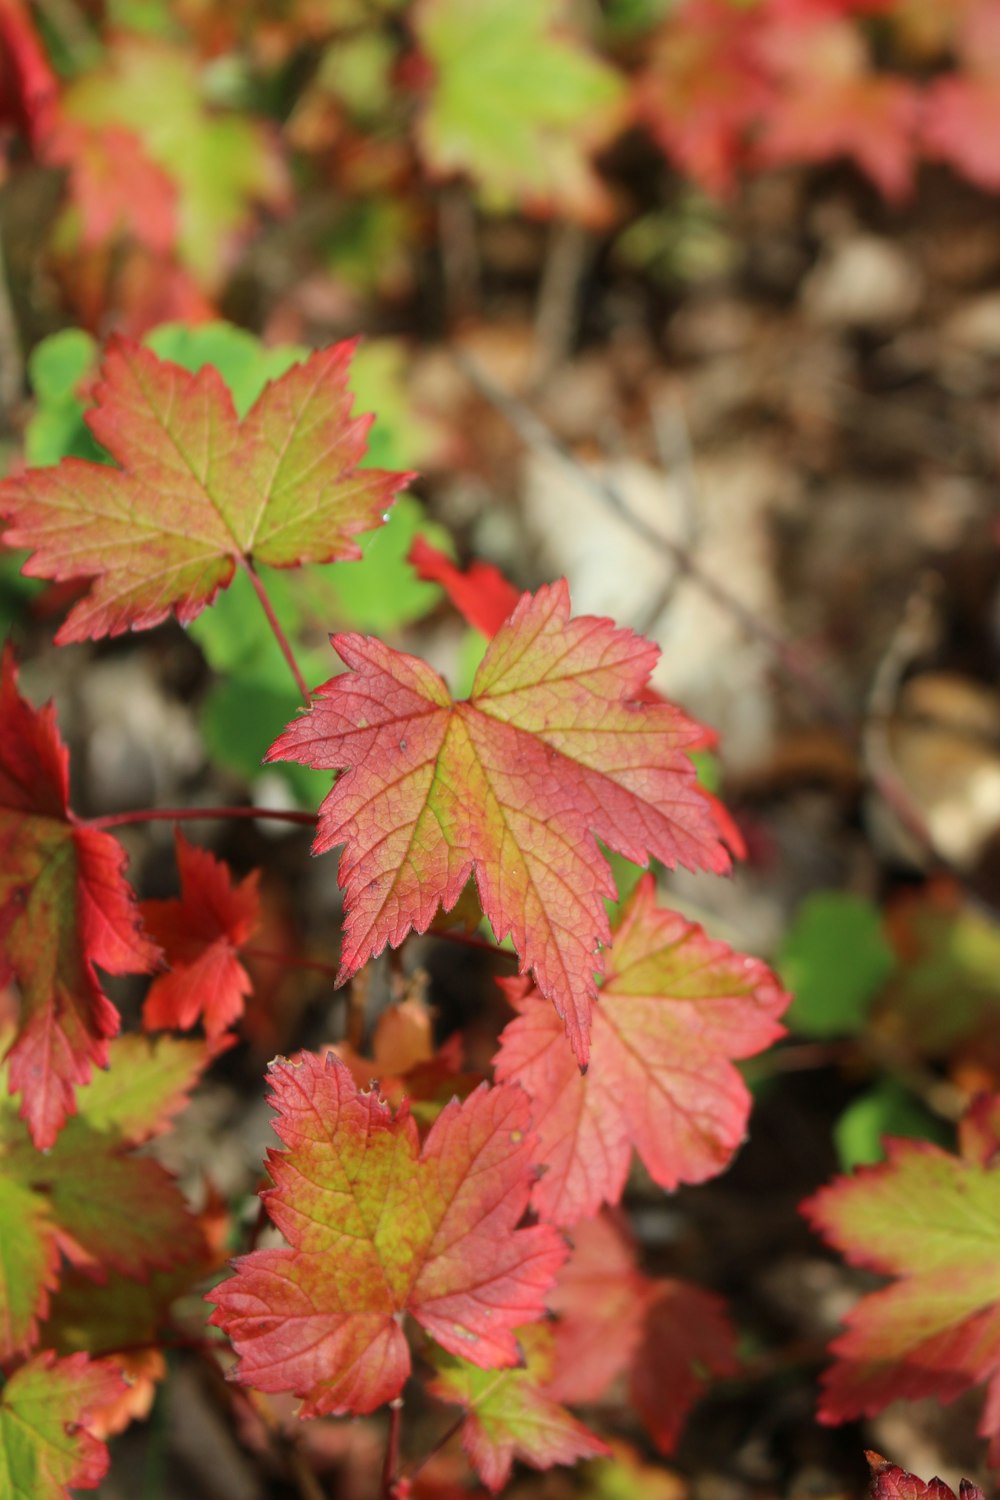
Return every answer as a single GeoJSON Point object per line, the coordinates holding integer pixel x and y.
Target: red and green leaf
{"type": "Point", "coordinates": [65, 908]}
{"type": "Point", "coordinates": [675, 1009]}
{"type": "Point", "coordinates": [378, 1226]}
{"type": "Point", "coordinates": [510, 1415]}
{"type": "Point", "coordinates": [90, 1198]}
{"type": "Point", "coordinates": [931, 1221]}
{"type": "Point", "coordinates": [46, 1442]}
{"type": "Point", "coordinates": [551, 752]}
{"type": "Point", "coordinates": [196, 492]}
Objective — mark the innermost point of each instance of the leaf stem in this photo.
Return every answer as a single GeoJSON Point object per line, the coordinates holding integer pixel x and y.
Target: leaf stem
{"type": "Point", "coordinates": [195, 815]}
{"type": "Point", "coordinates": [267, 956]}
{"type": "Point", "coordinates": [278, 631]}
{"type": "Point", "coordinates": [391, 1461]}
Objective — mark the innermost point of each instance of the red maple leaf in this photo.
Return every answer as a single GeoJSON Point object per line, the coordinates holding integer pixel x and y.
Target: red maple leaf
{"type": "Point", "coordinates": [704, 89]}
{"type": "Point", "coordinates": [200, 935]}
{"type": "Point", "coordinates": [961, 113]}
{"type": "Point", "coordinates": [198, 492]}
{"type": "Point", "coordinates": [675, 1008]}
{"type": "Point", "coordinates": [481, 594]}
{"type": "Point", "coordinates": [65, 907]}
{"type": "Point", "coordinates": [114, 185]}
{"type": "Point", "coordinates": [931, 1221]}
{"type": "Point", "coordinates": [830, 103]}
{"type": "Point", "coordinates": [666, 1335]}
{"type": "Point", "coordinates": [550, 752]}
{"type": "Point", "coordinates": [377, 1227]}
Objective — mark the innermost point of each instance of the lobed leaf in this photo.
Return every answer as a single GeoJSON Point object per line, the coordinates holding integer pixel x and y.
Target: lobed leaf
{"type": "Point", "coordinates": [65, 907]}
{"type": "Point", "coordinates": [197, 492]}
{"type": "Point", "coordinates": [510, 1416]}
{"type": "Point", "coordinates": [378, 1227]}
{"type": "Point", "coordinates": [517, 102]}
{"type": "Point", "coordinates": [674, 1010]}
{"type": "Point", "coordinates": [667, 1336]}
{"type": "Point", "coordinates": [46, 1443]}
{"type": "Point", "coordinates": [89, 1197]}
{"type": "Point", "coordinates": [931, 1221]}
{"type": "Point", "coordinates": [515, 785]}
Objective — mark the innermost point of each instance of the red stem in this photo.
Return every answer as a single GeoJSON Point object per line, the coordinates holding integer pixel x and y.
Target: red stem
{"type": "Point", "coordinates": [292, 962]}
{"type": "Point", "coordinates": [196, 814]}
{"type": "Point", "coordinates": [279, 634]}
{"type": "Point", "coordinates": [469, 940]}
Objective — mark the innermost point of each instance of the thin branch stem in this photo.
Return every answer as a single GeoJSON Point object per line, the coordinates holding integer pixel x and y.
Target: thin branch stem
{"type": "Point", "coordinates": [197, 815]}
{"type": "Point", "coordinates": [535, 435]}
{"type": "Point", "coordinates": [391, 1461]}
{"type": "Point", "coordinates": [278, 631]}
{"type": "Point", "coordinates": [469, 940]}
{"type": "Point", "coordinates": [291, 961]}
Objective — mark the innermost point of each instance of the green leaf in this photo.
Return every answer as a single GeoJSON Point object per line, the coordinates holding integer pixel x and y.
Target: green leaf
{"type": "Point", "coordinates": [887, 1109]}
{"type": "Point", "coordinates": [221, 163]}
{"type": "Point", "coordinates": [517, 102]}
{"type": "Point", "coordinates": [834, 960]}
{"type": "Point", "coordinates": [56, 429]}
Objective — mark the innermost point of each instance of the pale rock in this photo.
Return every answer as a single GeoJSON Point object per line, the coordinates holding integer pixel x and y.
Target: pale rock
{"type": "Point", "coordinates": [721, 515]}
{"type": "Point", "coordinates": [863, 282]}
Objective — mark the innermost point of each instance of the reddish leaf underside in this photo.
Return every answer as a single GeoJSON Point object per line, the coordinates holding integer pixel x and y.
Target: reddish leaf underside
{"type": "Point", "coordinates": [931, 1221]}
{"type": "Point", "coordinates": [200, 935]}
{"type": "Point", "coordinates": [45, 1442]}
{"type": "Point", "coordinates": [675, 1010]}
{"type": "Point", "coordinates": [889, 1482]}
{"type": "Point", "coordinates": [510, 1415]}
{"type": "Point", "coordinates": [65, 907]}
{"type": "Point", "coordinates": [550, 752]}
{"type": "Point", "coordinates": [376, 1226]}
{"type": "Point", "coordinates": [89, 1198]}
{"type": "Point", "coordinates": [198, 492]}
{"type": "Point", "coordinates": [668, 1336]}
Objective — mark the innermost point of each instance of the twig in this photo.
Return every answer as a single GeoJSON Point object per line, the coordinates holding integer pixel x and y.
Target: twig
{"type": "Point", "coordinates": [196, 815]}
{"type": "Point", "coordinates": [278, 631]}
{"type": "Point", "coordinates": [460, 262]}
{"type": "Point", "coordinates": [534, 433]}
{"type": "Point", "coordinates": [11, 356]}
{"type": "Point", "coordinates": [566, 261]}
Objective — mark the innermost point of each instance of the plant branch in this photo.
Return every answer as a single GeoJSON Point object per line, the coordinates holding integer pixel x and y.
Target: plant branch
{"type": "Point", "coordinates": [291, 961]}
{"type": "Point", "coordinates": [278, 630]}
{"type": "Point", "coordinates": [537, 436]}
{"type": "Point", "coordinates": [197, 815]}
